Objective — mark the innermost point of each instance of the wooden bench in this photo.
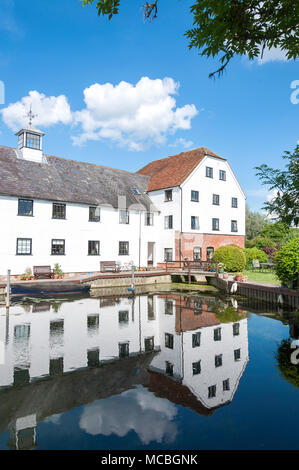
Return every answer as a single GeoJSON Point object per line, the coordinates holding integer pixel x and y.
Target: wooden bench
{"type": "Point", "coordinates": [42, 272]}
{"type": "Point", "coordinates": [109, 266]}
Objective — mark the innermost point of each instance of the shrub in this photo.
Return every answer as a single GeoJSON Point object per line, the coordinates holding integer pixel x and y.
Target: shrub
{"type": "Point", "coordinates": [270, 251]}
{"type": "Point", "coordinates": [57, 269]}
{"type": "Point", "coordinates": [293, 233]}
{"type": "Point", "coordinates": [287, 262]}
{"type": "Point", "coordinates": [260, 242]}
{"type": "Point", "coordinates": [231, 256]}
{"type": "Point", "coordinates": [255, 253]}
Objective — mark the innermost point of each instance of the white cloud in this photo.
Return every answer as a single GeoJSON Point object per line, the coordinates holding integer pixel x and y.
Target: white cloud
{"type": "Point", "coordinates": [135, 410]}
{"type": "Point", "coordinates": [49, 110]}
{"type": "Point", "coordinates": [134, 116]}
{"type": "Point", "coordinates": [181, 142]}
{"type": "Point", "coordinates": [271, 55]}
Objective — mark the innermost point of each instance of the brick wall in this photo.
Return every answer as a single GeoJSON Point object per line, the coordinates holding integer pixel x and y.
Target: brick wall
{"type": "Point", "coordinates": [188, 241]}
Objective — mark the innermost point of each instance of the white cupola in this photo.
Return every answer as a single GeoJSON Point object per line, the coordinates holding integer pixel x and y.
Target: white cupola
{"type": "Point", "coordinates": [30, 142]}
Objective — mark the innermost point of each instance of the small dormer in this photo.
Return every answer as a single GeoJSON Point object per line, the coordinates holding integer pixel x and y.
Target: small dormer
{"type": "Point", "coordinates": [30, 144]}
{"type": "Point", "coordinates": [30, 141]}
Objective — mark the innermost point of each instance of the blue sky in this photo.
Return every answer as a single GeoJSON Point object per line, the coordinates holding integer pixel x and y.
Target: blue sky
{"type": "Point", "coordinates": [59, 49]}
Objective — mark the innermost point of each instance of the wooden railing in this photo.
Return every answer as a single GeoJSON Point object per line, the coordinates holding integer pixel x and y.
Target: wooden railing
{"type": "Point", "coordinates": [198, 265]}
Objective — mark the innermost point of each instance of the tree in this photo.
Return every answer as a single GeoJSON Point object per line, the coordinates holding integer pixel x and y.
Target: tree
{"type": "Point", "coordinates": [275, 231]}
{"type": "Point", "coordinates": [231, 27]}
{"type": "Point", "coordinates": [285, 204]}
{"type": "Point", "coordinates": [255, 222]}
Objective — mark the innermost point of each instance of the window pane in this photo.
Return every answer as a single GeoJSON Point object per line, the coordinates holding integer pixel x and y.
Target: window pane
{"type": "Point", "coordinates": [168, 195]}
{"type": "Point", "coordinates": [210, 252]}
{"type": "Point", "coordinates": [194, 223]}
{"type": "Point", "coordinates": [196, 368]}
{"type": "Point", "coordinates": [169, 368]}
{"type": "Point", "coordinates": [195, 340]}
{"type": "Point", "coordinates": [236, 329]}
{"type": "Point", "coordinates": [209, 172]}
{"type": "Point", "coordinates": [234, 202]}
{"type": "Point", "coordinates": [216, 199]}
{"type": "Point", "coordinates": [93, 247]}
{"type": "Point", "coordinates": [58, 247]}
{"type": "Point", "coordinates": [212, 391]}
{"type": "Point", "coordinates": [168, 340]}
{"type": "Point", "coordinates": [32, 141]}
{"type": "Point", "coordinates": [222, 175]}
{"type": "Point", "coordinates": [123, 349]}
{"type": "Point", "coordinates": [94, 214]}
{"type": "Point", "coordinates": [168, 254]}
{"type": "Point", "coordinates": [194, 196]}
{"type": "Point", "coordinates": [218, 360]}
{"type": "Point", "coordinates": [124, 217]}
{"type": "Point", "coordinates": [24, 246]}
{"type": "Point", "coordinates": [149, 344]}
{"type": "Point", "coordinates": [234, 226]}
{"type": "Point", "coordinates": [217, 334]}
{"type": "Point", "coordinates": [215, 224]}
{"type": "Point", "coordinates": [59, 211]}
{"type": "Point", "coordinates": [197, 253]}
{"type": "Point", "coordinates": [25, 207]}
{"type": "Point", "coordinates": [123, 248]}
{"type": "Point", "coordinates": [149, 218]}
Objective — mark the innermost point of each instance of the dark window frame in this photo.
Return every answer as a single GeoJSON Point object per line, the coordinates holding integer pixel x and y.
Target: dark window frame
{"type": "Point", "coordinates": [215, 225]}
{"type": "Point", "coordinates": [58, 240]}
{"type": "Point", "coordinates": [196, 339]}
{"type": "Point", "coordinates": [169, 341]}
{"type": "Point", "coordinates": [167, 193]}
{"type": "Point", "coordinates": [212, 391]}
{"type": "Point", "coordinates": [209, 172]}
{"type": "Point", "coordinates": [94, 218]}
{"type": "Point", "coordinates": [236, 329]}
{"type": "Point", "coordinates": [209, 257]}
{"type": "Point", "coordinates": [218, 360]}
{"type": "Point", "coordinates": [149, 219]}
{"type": "Point", "coordinates": [61, 205]}
{"type": "Point", "coordinates": [31, 137]}
{"type": "Point", "coordinates": [196, 367]}
{"type": "Point", "coordinates": [166, 252]}
{"type": "Point", "coordinates": [196, 198]}
{"type": "Point", "coordinates": [123, 252]}
{"type": "Point", "coordinates": [234, 226]}
{"type": "Point", "coordinates": [24, 254]}
{"type": "Point", "coordinates": [235, 202]}
{"type": "Point", "coordinates": [168, 222]}
{"type": "Point", "coordinates": [217, 334]}
{"type": "Point", "coordinates": [124, 216]}
{"type": "Point", "coordinates": [91, 249]}
{"type": "Point", "coordinates": [216, 200]}
{"type": "Point", "coordinates": [27, 200]}
{"type": "Point", "coordinates": [195, 222]}
{"type": "Point", "coordinates": [222, 173]}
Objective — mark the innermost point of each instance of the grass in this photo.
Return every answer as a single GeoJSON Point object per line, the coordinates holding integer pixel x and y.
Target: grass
{"type": "Point", "coordinates": [268, 277]}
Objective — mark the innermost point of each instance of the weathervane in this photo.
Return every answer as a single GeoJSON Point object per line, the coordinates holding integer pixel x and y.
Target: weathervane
{"type": "Point", "coordinates": [31, 116]}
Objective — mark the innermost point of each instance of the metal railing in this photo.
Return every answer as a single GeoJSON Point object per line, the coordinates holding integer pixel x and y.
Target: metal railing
{"type": "Point", "coordinates": [197, 265]}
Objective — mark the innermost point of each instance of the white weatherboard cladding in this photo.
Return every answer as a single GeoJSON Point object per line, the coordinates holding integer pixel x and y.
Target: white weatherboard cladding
{"type": "Point", "coordinates": [76, 230]}
{"type": "Point", "coordinates": [204, 209]}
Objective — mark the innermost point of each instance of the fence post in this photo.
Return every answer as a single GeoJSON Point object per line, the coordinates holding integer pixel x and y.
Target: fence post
{"type": "Point", "coordinates": [8, 289]}
{"type": "Point", "coordinates": [189, 272]}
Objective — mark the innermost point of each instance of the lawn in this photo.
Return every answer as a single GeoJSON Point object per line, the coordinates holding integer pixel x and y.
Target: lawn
{"type": "Point", "coordinates": [262, 276]}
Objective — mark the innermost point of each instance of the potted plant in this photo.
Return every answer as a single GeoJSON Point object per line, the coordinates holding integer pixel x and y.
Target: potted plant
{"type": "Point", "coordinates": [220, 267]}
{"type": "Point", "coordinates": [28, 274]}
{"type": "Point", "coordinates": [239, 277]}
{"type": "Point", "coordinates": [58, 273]}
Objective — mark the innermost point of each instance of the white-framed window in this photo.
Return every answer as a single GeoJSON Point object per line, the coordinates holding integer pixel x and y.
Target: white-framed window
{"type": "Point", "coordinates": [93, 248]}
{"type": "Point", "coordinates": [168, 254]}
{"type": "Point", "coordinates": [149, 218]}
{"type": "Point", "coordinates": [196, 253]}
{"type": "Point", "coordinates": [215, 224]}
{"type": "Point", "coordinates": [123, 248]}
{"type": "Point", "coordinates": [124, 217]}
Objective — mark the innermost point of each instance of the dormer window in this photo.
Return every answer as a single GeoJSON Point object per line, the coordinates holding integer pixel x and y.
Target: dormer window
{"type": "Point", "coordinates": [20, 141]}
{"type": "Point", "coordinates": [32, 141]}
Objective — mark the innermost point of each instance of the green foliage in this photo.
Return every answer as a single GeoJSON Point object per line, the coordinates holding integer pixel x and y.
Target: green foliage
{"type": "Point", "coordinates": [255, 253]}
{"type": "Point", "coordinates": [275, 231]}
{"type": "Point", "coordinates": [255, 222]}
{"type": "Point", "coordinates": [57, 269]}
{"type": "Point", "coordinates": [293, 233]}
{"type": "Point", "coordinates": [231, 256]}
{"type": "Point", "coordinates": [260, 242]}
{"type": "Point", "coordinates": [289, 371]}
{"type": "Point", "coordinates": [228, 315]}
{"type": "Point", "coordinates": [287, 262]}
{"type": "Point", "coordinates": [231, 27]}
{"type": "Point", "coordinates": [285, 205]}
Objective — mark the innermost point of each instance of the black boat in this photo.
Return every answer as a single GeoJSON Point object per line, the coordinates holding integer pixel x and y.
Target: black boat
{"type": "Point", "coordinates": [21, 289]}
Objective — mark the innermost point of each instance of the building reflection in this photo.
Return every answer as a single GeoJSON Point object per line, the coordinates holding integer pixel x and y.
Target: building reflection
{"type": "Point", "coordinates": [191, 350]}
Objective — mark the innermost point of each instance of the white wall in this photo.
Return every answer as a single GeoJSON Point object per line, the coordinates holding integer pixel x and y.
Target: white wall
{"type": "Point", "coordinates": [204, 209]}
{"type": "Point", "coordinates": [76, 230]}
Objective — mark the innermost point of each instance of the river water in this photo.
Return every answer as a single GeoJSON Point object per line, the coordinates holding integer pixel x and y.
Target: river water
{"type": "Point", "coordinates": [164, 371]}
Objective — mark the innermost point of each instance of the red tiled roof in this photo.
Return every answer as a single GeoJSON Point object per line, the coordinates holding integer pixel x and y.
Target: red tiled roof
{"type": "Point", "coordinates": [172, 171]}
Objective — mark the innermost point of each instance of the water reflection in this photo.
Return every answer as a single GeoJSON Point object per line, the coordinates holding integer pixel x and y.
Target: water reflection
{"type": "Point", "coordinates": [129, 361]}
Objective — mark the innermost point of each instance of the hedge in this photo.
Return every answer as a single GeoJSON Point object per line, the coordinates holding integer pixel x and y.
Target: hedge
{"type": "Point", "coordinates": [232, 256]}
{"type": "Point", "coordinates": [287, 262]}
{"type": "Point", "coordinates": [255, 253]}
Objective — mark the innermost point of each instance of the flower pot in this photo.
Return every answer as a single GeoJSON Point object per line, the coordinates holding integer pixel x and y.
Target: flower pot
{"type": "Point", "coordinates": [56, 276]}
{"type": "Point", "coordinates": [239, 278]}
